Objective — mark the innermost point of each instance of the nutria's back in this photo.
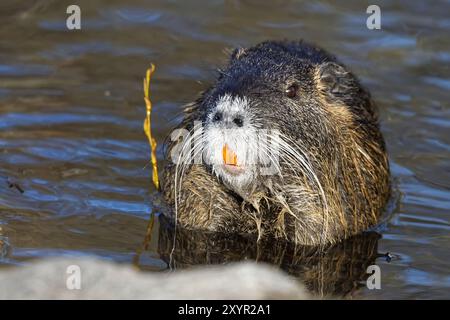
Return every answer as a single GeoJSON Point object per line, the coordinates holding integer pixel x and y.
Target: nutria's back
{"type": "Point", "coordinates": [286, 143]}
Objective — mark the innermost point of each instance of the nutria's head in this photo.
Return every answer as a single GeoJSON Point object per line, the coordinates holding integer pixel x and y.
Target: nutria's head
{"type": "Point", "coordinates": [272, 109]}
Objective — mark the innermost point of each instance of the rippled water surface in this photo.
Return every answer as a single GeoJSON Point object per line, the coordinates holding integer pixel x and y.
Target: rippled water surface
{"type": "Point", "coordinates": [71, 137]}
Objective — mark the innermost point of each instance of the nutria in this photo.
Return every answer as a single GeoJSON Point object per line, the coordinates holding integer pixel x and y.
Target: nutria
{"type": "Point", "coordinates": [286, 143]}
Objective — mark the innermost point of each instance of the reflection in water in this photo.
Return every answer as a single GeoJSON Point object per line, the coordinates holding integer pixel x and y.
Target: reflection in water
{"type": "Point", "coordinates": [4, 245]}
{"type": "Point", "coordinates": [339, 270]}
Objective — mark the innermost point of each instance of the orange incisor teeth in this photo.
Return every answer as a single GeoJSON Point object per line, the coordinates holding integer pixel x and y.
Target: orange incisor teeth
{"type": "Point", "coordinates": [229, 157]}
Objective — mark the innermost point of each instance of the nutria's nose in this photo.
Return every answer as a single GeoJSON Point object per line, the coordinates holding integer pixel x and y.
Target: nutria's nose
{"type": "Point", "coordinates": [217, 117]}
{"type": "Point", "coordinates": [236, 121]}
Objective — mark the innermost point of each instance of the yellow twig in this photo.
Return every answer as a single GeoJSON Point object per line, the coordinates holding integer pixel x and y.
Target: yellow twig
{"type": "Point", "coordinates": [147, 240]}
{"type": "Point", "coordinates": [147, 125]}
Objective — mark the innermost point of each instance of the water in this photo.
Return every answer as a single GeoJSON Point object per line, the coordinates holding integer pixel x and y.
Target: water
{"type": "Point", "coordinates": [71, 113]}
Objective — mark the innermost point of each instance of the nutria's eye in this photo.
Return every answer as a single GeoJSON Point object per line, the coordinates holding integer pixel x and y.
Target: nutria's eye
{"type": "Point", "coordinates": [238, 121]}
{"type": "Point", "coordinates": [291, 91]}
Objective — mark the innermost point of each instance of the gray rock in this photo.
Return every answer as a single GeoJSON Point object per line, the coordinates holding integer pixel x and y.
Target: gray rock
{"type": "Point", "coordinates": [106, 280]}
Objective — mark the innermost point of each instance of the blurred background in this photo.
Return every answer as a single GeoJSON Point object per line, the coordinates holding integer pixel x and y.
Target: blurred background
{"type": "Point", "coordinates": [74, 178]}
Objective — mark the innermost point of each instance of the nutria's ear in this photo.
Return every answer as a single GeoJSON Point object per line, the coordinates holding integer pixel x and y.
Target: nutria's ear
{"type": "Point", "coordinates": [238, 53]}
{"type": "Point", "coordinates": [333, 80]}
